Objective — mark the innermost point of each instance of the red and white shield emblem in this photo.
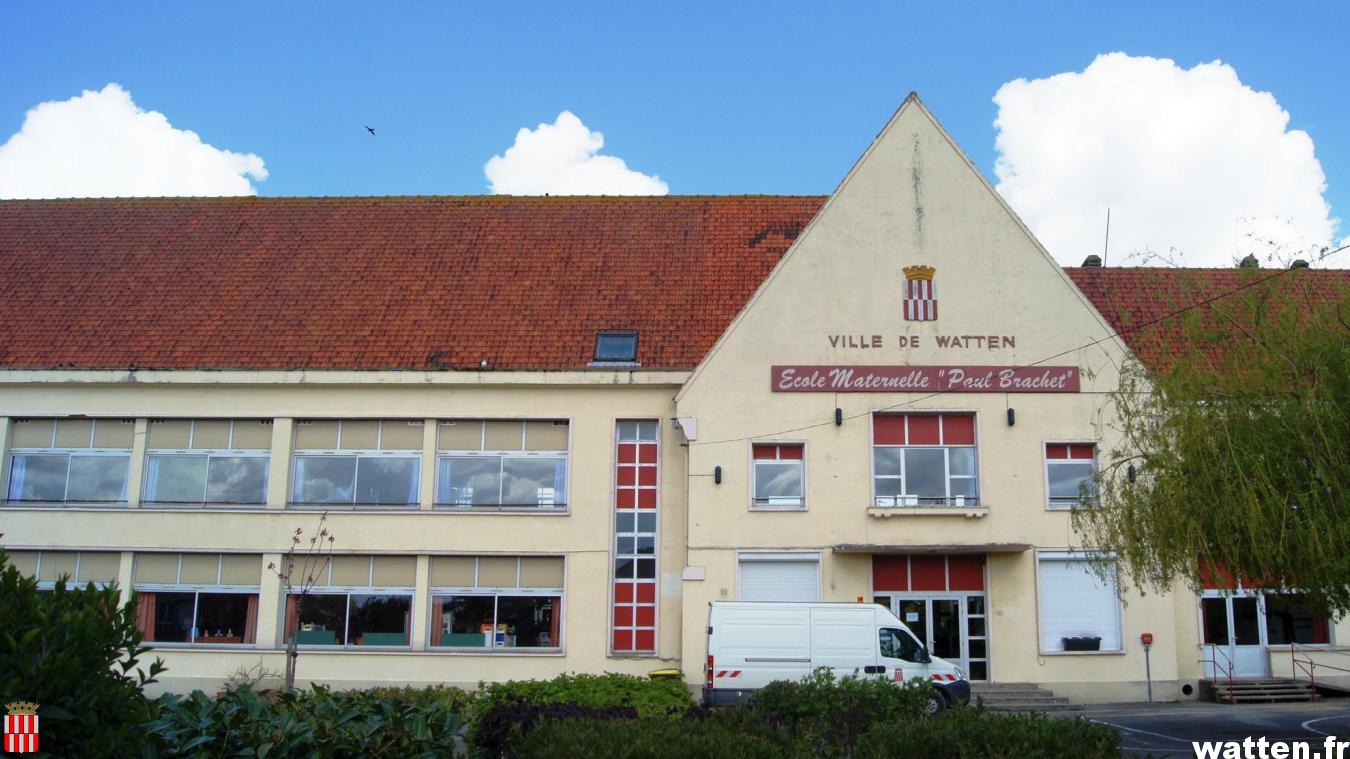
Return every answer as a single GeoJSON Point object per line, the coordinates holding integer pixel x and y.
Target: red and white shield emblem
{"type": "Point", "coordinates": [920, 301]}
{"type": "Point", "coordinates": [21, 728]}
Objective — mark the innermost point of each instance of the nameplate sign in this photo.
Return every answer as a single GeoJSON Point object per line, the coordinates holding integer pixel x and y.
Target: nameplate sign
{"type": "Point", "coordinates": [925, 379]}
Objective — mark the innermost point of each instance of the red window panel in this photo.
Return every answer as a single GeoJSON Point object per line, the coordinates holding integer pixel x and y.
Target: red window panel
{"type": "Point", "coordinates": [765, 452]}
{"type": "Point", "coordinates": [1056, 451]}
{"type": "Point", "coordinates": [623, 592]}
{"type": "Point", "coordinates": [628, 453]}
{"type": "Point", "coordinates": [646, 640]}
{"type": "Point", "coordinates": [647, 476]}
{"type": "Point", "coordinates": [775, 452]}
{"type": "Point", "coordinates": [888, 429]}
{"type": "Point", "coordinates": [623, 616]}
{"type": "Point", "coordinates": [627, 476]}
{"type": "Point", "coordinates": [890, 573]}
{"type": "Point", "coordinates": [965, 572]}
{"type": "Point", "coordinates": [1082, 451]}
{"type": "Point", "coordinates": [646, 499]}
{"type": "Point", "coordinates": [957, 429]}
{"type": "Point", "coordinates": [646, 616]}
{"type": "Point", "coordinates": [647, 453]}
{"type": "Point", "coordinates": [790, 452]}
{"type": "Point", "coordinates": [646, 593]}
{"type": "Point", "coordinates": [928, 572]}
{"type": "Point", "coordinates": [625, 498]}
{"type": "Point", "coordinates": [623, 640]}
{"type": "Point", "coordinates": [923, 430]}
{"type": "Point", "coordinates": [1065, 451]}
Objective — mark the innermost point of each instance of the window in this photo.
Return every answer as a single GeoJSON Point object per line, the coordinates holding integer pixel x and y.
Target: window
{"type": "Point", "coordinates": [779, 476]}
{"type": "Point", "coordinates": [197, 598]}
{"type": "Point", "coordinates": [616, 347]}
{"type": "Point", "coordinates": [356, 601]}
{"type": "Point", "coordinates": [924, 460]}
{"type": "Point", "coordinates": [70, 460]}
{"type": "Point", "coordinates": [78, 567]}
{"type": "Point", "coordinates": [359, 463]}
{"type": "Point", "coordinates": [1069, 468]}
{"type": "Point", "coordinates": [496, 602]}
{"type": "Point", "coordinates": [207, 461]}
{"type": "Point", "coordinates": [637, 470]}
{"type": "Point", "coordinates": [1290, 620]}
{"type": "Point", "coordinates": [1078, 610]}
{"type": "Point", "coordinates": [499, 463]}
{"type": "Point", "coordinates": [898, 644]}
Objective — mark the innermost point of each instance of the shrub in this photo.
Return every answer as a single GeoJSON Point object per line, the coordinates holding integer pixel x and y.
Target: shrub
{"type": "Point", "coordinates": [974, 733]}
{"type": "Point", "coordinates": [725, 734]}
{"type": "Point", "coordinates": [649, 697]}
{"type": "Point", "coordinates": [831, 715]}
{"type": "Point", "coordinates": [74, 651]}
{"type": "Point", "coordinates": [497, 731]}
{"type": "Point", "coordinates": [387, 722]}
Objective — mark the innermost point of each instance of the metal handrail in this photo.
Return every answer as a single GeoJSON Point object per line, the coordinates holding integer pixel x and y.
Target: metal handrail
{"type": "Point", "coordinates": [1213, 660]}
{"type": "Point", "coordinates": [1309, 665]}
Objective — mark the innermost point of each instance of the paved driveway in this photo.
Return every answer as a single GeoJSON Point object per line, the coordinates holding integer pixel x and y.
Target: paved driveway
{"type": "Point", "coordinates": [1168, 729]}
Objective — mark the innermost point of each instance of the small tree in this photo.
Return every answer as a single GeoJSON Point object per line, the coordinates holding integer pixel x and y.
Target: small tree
{"type": "Point", "coordinates": [301, 567]}
{"type": "Point", "coordinates": [1234, 452]}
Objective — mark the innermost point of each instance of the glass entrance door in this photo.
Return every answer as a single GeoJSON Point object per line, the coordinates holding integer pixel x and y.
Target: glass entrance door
{"type": "Point", "coordinates": [950, 626]}
{"type": "Point", "coordinates": [1234, 631]}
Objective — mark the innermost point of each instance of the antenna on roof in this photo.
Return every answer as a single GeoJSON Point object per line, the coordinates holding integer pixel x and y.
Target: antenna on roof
{"type": "Point", "coordinates": [1106, 247]}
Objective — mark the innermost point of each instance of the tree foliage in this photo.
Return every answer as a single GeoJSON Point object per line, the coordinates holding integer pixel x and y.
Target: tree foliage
{"type": "Point", "coordinates": [1239, 447]}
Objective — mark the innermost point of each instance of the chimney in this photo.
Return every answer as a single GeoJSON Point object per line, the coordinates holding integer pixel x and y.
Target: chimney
{"type": "Point", "coordinates": [1249, 262]}
{"type": "Point", "coordinates": [1299, 264]}
{"type": "Point", "coordinates": [1093, 261]}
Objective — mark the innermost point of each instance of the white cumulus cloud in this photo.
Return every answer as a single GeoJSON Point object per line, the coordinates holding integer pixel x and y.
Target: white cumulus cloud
{"type": "Point", "coordinates": [1194, 164]}
{"type": "Point", "coordinates": [563, 158]}
{"type": "Point", "coordinates": [100, 144]}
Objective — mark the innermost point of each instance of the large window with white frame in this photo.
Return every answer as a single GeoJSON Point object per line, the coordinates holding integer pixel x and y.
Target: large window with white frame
{"type": "Point", "coordinates": [778, 476]}
{"type": "Point", "coordinates": [357, 462]}
{"type": "Point", "coordinates": [70, 460]}
{"type": "Point", "coordinates": [496, 602]}
{"type": "Point", "coordinates": [1069, 472]}
{"type": "Point", "coordinates": [207, 461]}
{"type": "Point", "coordinates": [77, 568]}
{"type": "Point", "coordinates": [1078, 601]}
{"type": "Point", "coordinates": [924, 460]}
{"type": "Point", "coordinates": [502, 463]}
{"type": "Point", "coordinates": [197, 598]}
{"type": "Point", "coordinates": [355, 601]}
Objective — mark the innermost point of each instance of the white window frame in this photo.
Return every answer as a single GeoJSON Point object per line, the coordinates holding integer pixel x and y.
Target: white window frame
{"type": "Point", "coordinates": [799, 503]}
{"type": "Point", "coordinates": [72, 582]}
{"type": "Point", "coordinates": [907, 500]}
{"type": "Point", "coordinates": [414, 455]}
{"type": "Point", "coordinates": [53, 450]}
{"type": "Point", "coordinates": [560, 501]}
{"type": "Point", "coordinates": [208, 453]}
{"type": "Point", "coordinates": [1050, 502]}
{"type": "Point", "coordinates": [1081, 556]}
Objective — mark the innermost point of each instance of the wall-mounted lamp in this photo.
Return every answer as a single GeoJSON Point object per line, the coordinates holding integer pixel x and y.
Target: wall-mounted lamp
{"type": "Point", "coordinates": [1130, 473]}
{"type": "Point", "coordinates": [717, 475]}
{"type": "Point", "coordinates": [1012, 416]}
{"type": "Point", "coordinates": [838, 416]}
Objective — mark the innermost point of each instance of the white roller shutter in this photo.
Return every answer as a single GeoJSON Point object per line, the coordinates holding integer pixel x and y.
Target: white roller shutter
{"type": "Point", "coordinates": [780, 577]}
{"type": "Point", "coordinates": [1074, 602]}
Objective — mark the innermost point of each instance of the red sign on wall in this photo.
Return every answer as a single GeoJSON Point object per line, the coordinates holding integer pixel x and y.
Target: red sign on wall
{"type": "Point", "coordinates": [925, 379]}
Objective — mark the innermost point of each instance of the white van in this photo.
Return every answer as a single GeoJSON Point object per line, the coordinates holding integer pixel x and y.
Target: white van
{"type": "Point", "coordinates": [752, 644]}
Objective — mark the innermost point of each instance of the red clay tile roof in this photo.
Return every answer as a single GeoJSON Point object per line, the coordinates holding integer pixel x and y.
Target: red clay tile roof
{"type": "Point", "coordinates": [420, 282]}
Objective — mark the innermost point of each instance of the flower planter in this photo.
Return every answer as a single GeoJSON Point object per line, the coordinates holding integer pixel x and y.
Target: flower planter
{"type": "Point", "coordinates": [1084, 643]}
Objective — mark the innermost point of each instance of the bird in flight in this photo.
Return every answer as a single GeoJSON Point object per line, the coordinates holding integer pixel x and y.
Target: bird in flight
{"type": "Point", "coordinates": [371, 130]}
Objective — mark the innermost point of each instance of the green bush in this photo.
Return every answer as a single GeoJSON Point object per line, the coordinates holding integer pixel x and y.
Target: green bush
{"type": "Point", "coordinates": [726, 734]}
{"type": "Point", "coordinates": [649, 697]}
{"type": "Point", "coordinates": [436, 696]}
{"type": "Point", "coordinates": [386, 722]}
{"type": "Point", "coordinates": [974, 733]}
{"type": "Point", "coordinates": [74, 651]}
{"type": "Point", "coordinates": [831, 715]}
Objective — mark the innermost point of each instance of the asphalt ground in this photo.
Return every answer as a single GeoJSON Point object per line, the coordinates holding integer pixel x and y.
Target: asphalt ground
{"type": "Point", "coordinates": [1168, 729]}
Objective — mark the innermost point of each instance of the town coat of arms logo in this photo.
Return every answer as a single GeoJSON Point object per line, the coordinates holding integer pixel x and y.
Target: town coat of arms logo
{"type": "Point", "coordinates": [920, 298]}
{"type": "Point", "coordinates": [21, 727]}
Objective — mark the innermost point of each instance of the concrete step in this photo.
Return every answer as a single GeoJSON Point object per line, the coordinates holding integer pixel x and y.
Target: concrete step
{"type": "Point", "coordinates": [1018, 697]}
{"type": "Point", "coordinates": [1258, 689]}
{"type": "Point", "coordinates": [1028, 707]}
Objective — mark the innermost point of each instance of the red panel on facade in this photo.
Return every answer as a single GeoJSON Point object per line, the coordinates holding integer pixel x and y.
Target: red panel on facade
{"type": "Point", "coordinates": [627, 476]}
{"type": "Point", "coordinates": [765, 451]}
{"type": "Point", "coordinates": [625, 499]}
{"type": "Point", "coordinates": [888, 429]}
{"type": "Point", "coordinates": [957, 429]}
{"type": "Point", "coordinates": [647, 476]}
{"type": "Point", "coordinates": [646, 616]}
{"type": "Point", "coordinates": [647, 453]}
{"type": "Point", "coordinates": [928, 572]}
{"type": "Point", "coordinates": [623, 592]}
{"type": "Point", "coordinates": [623, 640]}
{"type": "Point", "coordinates": [1056, 451]}
{"type": "Point", "coordinates": [646, 499]}
{"type": "Point", "coordinates": [646, 640]}
{"type": "Point", "coordinates": [646, 593]}
{"type": "Point", "coordinates": [1216, 578]}
{"type": "Point", "coordinates": [627, 453]}
{"type": "Point", "coordinates": [965, 572]}
{"type": "Point", "coordinates": [623, 616]}
{"type": "Point", "coordinates": [790, 452]}
{"type": "Point", "coordinates": [890, 573]}
{"type": "Point", "coordinates": [923, 430]}
{"type": "Point", "coordinates": [1082, 451]}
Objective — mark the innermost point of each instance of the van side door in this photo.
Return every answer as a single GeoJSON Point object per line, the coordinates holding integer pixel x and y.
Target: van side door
{"type": "Point", "coordinates": [900, 656]}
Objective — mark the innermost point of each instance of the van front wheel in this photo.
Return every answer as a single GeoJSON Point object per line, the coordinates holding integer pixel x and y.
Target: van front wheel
{"type": "Point", "coordinates": [935, 704]}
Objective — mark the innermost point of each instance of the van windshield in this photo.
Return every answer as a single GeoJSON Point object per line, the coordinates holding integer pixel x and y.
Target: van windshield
{"type": "Point", "coordinates": [899, 644]}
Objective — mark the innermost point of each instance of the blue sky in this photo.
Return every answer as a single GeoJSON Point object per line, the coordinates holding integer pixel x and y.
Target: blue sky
{"type": "Point", "coordinates": [711, 97]}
